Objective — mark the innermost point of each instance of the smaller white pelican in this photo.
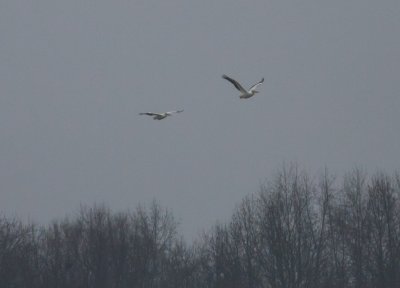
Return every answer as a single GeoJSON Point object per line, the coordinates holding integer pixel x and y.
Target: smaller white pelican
{"type": "Point", "coordinates": [245, 93]}
{"type": "Point", "coordinates": [160, 116]}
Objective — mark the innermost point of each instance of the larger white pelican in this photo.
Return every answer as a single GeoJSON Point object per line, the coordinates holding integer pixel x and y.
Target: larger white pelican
{"type": "Point", "coordinates": [245, 93]}
{"type": "Point", "coordinates": [160, 116]}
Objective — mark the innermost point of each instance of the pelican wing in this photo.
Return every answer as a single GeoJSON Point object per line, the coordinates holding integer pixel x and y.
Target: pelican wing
{"type": "Point", "coordinates": [235, 83]}
{"type": "Point", "coordinates": [254, 87]}
{"type": "Point", "coordinates": [175, 111]}
{"type": "Point", "coordinates": [150, 114]}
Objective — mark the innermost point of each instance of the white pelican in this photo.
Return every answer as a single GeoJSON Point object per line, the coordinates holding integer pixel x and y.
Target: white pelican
{"type": "Point", "coordinates": [245, 93]}
{"type": "Point", "coordinates": [160, 116]}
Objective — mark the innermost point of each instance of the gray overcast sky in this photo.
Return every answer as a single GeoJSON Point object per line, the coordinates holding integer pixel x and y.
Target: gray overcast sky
{"type": "Point", "coordinates": [75, 74]}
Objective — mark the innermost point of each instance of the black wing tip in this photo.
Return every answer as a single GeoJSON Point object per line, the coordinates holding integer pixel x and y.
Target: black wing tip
{"type": "Point", "coordinates": [262, 80]}
{"type": "Point", "coordinates": [233, 81]}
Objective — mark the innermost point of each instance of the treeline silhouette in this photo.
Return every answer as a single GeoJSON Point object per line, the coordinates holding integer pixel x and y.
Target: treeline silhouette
{"type": "Point", "coordinates": [297, 231]}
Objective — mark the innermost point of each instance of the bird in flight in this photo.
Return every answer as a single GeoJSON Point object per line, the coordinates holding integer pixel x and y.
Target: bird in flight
{"type": "Point", "coordinates": [245, 93]}
{"type": "Point", "coordinates": [160, 116]}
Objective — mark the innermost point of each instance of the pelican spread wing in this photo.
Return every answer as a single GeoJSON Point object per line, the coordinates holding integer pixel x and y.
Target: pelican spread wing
{"type": "Point", "coordinates": [235, 83]}
{"type": "Point", "coordinates": [254, 87]}
{"type": "Point", "coordinates": [150, 114]}
{"type": "Point", "coordinates": [175, 111]}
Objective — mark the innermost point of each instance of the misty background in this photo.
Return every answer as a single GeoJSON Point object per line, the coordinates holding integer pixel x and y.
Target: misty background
{"type": "Point", "coordinates": [75, 74]}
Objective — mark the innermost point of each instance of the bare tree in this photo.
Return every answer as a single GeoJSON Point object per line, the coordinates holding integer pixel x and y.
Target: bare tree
{"type": "Point", "coordinates": [287, 226]}
{"type": "Point", "coordinates": [354, 220]}
{"type": "Point", "coordinates": [18, 254]}
{"type": "Point", "coordinates": [383, 233]}
{"type": "Point", "coordinates": [245, 238]}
